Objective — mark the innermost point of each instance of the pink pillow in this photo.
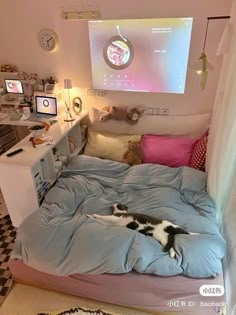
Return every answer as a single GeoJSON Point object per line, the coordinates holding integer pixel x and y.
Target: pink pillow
{"type": "Point", "coordinates": [170, 151]}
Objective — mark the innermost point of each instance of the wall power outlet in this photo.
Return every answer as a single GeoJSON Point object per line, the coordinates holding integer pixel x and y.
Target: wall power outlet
{"type": "Point", "coordinates": [164, 111]}
{"type": "Point", "coordinates": [152, 111]}
{"type": "Point", "coordinates": [93, 92]}
{"type": "Point", "coordinates": [148, 111]}
{"type": "Point", "coordinates": [156, 111]}
{"type": "Point", "coordinates": [101, 92]}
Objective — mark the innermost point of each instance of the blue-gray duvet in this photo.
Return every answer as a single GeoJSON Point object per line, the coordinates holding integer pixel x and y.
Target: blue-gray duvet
{"type": "Point", "coordinates": [59, 239]}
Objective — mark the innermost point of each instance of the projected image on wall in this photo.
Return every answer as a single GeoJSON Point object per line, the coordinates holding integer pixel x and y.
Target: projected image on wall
{"type": "Point", "coordinates": [148, 55]}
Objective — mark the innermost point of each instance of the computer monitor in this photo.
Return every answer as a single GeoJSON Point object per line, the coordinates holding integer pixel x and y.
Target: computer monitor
{"type": "Point", "coordinates": [14, 86]}
{"type": "Point", "coordinates": [46, 105]}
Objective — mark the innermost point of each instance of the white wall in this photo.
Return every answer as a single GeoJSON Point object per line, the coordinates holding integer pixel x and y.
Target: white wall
{"type": "Point", "coordinates": [21, 20]}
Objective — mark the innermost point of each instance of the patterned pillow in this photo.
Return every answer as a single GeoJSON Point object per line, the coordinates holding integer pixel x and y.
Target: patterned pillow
{"type": "Point", "coordinates": [198, 158]}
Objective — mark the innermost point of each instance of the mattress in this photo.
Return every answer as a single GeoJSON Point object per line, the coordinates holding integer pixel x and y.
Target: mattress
{"type": "Point", "coordinates": [178, 294]}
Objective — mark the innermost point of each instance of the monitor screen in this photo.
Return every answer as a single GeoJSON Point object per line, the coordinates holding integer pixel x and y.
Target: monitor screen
{"type": "Point", "coordinates": [46, 105]}
{"type": "Point", "coordinates": [14, 86]}
{"type": "Point", "coordinates": [148, 55]}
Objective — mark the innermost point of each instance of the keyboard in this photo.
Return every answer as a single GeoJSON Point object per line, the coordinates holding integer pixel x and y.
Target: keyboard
{"type": "Point", "coordinates": [40, 117]}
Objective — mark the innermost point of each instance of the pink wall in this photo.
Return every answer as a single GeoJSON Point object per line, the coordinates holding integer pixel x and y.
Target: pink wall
{"type": "Point", "coordinates": [20, 21]}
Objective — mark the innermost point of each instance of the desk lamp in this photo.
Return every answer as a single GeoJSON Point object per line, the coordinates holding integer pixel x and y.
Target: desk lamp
{"type": "Point", "coordinates": [68, 87]}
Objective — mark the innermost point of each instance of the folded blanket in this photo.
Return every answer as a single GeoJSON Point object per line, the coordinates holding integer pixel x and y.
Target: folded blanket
{"type": "Point", "coordinates": [59, 239]}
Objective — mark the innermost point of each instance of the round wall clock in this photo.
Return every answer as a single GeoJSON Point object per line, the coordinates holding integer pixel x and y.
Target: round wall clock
{"type": "Point", "coordinates": [48, 39]}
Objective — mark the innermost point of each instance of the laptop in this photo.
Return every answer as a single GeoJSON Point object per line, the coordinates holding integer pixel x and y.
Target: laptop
{"type": "Point", "coordinates": [46, 108]}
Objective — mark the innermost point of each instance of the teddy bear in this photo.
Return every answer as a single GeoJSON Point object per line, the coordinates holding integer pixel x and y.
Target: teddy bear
{"type": "Point", "coordinates": [129, 115]}
{"type": "Point", "coordinates": [133, 155]}
{"type": "Point", "coordinates": [56, 154]}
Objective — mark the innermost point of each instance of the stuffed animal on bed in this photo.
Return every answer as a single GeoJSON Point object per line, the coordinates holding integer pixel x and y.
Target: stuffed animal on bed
{"type": "Point", "coordinates": [133, 155]}
{"type": "Point", "coordinates": [130, 115]}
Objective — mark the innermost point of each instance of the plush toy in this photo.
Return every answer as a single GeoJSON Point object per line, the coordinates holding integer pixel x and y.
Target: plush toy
{"type": "Point", "coordinates": [130, 115]}
{"type": "Point", "coordinates": [59, 160]}
{"type": "Point", "coordinates": [133, 155]}
{"type": "Point", "coordinates": [56, 154]}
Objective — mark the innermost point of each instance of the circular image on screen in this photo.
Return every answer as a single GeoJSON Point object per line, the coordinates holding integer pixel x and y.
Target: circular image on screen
{"type": "Point", "coordinates": [118, 52]}
{"type": "Point", "coordinates": [10, 85]}
{"type": "Point", "coordinates": [46, 103]}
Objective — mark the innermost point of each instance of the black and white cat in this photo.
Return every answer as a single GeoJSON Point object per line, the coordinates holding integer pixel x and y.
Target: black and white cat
{"type": "Point", "coordinates": [161, 230]}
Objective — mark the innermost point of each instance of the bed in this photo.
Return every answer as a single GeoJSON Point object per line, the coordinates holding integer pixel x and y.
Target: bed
{"type": "Point", "coordinates": [58, 247]}
{"type": "Point", "coordinates": [58, 239]}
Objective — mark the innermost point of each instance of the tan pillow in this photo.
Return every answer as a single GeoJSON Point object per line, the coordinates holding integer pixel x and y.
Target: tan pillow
{"type": "Point", "coordinates": [171, 125]}
{"type": "Point", "coordinates": [107, 145]}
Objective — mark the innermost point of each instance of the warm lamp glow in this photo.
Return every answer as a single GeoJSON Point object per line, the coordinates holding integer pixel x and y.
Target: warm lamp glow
{"type": "Point", "coordinates": [197, 66]}
{"type": "Point", "coordinates": [67, 84]}
{"type": "Point", "coordinates": [202, 66]}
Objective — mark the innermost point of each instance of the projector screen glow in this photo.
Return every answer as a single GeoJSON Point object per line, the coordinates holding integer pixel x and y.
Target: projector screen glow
{"type": "Point", "coordinates": [148, 55]}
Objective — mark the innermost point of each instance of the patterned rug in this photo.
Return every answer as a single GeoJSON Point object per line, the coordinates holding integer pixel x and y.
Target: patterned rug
{"type": "Point", "coordinates": [7, 237]}
{"type": "Point", "coordinates": [77, 311]}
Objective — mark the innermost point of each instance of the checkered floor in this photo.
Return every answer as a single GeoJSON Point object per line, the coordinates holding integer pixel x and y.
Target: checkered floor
{"type": "Point", "coordinates": [7, 237]}
{"type": "Point", "coordinates": [3, 207]}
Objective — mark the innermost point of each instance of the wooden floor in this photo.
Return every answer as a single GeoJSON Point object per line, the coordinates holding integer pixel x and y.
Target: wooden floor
{"type": "Point", "coordinates": [27, 300]}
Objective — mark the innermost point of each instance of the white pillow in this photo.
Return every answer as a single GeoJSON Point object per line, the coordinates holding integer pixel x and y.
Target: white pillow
{"type": "Point", "coordinates": [107, 145]}
{"type": "Point", "coordinates": [188, 126]}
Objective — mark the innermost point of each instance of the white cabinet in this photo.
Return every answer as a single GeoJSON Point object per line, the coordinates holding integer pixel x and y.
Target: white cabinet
{"type": "Point", "coordinates": [26, 177]}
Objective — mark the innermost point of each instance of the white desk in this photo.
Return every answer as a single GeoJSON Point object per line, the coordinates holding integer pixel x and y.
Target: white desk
{"type": "Point", "coordinates": [21, 173]}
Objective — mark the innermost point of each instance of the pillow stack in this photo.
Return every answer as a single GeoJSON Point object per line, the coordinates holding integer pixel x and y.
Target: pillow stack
{"type": "Point", "coordinates": [164, 150]}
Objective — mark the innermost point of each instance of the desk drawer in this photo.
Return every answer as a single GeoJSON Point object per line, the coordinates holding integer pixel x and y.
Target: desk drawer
{"type": "Point", "coordinates": [8, 146]}
{"type": "Point", "coordinates": [9, 137]}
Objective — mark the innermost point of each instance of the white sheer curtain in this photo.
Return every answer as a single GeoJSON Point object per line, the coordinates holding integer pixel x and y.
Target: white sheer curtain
{"type": "Point", "coordinates": [221, 156]}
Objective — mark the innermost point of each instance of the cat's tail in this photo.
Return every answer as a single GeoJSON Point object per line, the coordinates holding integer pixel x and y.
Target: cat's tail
{"type": "Point", "coordinates": [178, 230]}
{"type": "Point", "coordinates": [173, 230]}
{"type": "Point", "coordinates": [182, 231]}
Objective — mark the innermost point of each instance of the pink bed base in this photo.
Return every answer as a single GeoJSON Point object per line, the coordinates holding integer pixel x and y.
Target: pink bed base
{"type": "Point", "coordinates": [151, 293]}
